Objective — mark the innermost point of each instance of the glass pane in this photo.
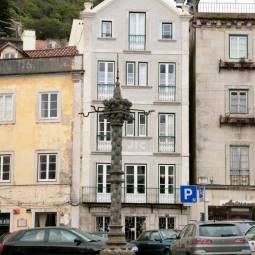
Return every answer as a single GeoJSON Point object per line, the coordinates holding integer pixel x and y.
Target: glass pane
{"type": "Point", "coordinates": [130, 169]}
{"type": "Point", "coordinates": [33, 236]}
{"type": "Point", "coordinates": [141, 170]}
{"type": "Point", "coordinates": [244, 158]}
{"type": "Point", "coordinates": [234, 158]}
{"type": "Point", "coordinates": [142, 74]}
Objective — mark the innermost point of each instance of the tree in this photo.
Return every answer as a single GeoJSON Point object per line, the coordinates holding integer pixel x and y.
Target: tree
{"type": "Point", "coordinates": [4, 18]}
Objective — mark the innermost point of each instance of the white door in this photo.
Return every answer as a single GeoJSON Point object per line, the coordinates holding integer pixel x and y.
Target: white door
{"type": "Point", "coordinates": [103, 183]}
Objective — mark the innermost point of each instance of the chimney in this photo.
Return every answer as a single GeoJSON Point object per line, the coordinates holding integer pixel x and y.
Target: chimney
{"type": "Point", "coordinates": [29, 40]}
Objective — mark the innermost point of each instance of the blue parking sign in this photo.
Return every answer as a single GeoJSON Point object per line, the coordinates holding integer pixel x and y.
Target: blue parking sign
{"type": "Point", "coordinates": [188, 194]}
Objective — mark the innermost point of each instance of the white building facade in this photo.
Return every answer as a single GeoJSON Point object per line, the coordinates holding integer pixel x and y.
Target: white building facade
{"type": "Point", "coordinates": [151, 39]}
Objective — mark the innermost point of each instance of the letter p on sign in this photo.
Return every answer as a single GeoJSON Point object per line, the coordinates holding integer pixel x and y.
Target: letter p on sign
{"type": "Point", "coordinates": [188, 194]}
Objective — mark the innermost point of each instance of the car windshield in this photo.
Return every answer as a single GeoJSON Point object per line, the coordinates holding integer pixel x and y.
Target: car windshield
{"type": "Point", "coordinates": [88, 237]}
{"type": "Point", "coordinates": [168, 234]}
{"type": "Point", "coordinates": [219, 230]}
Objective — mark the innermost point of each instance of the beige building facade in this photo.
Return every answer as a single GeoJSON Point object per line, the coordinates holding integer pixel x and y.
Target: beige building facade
{"type": "Point", "coordinates": [151, 39]}
{"type": "Point", "coordinates": [223, 99]}
{"type": "Point", "coordinates": [39, 105]}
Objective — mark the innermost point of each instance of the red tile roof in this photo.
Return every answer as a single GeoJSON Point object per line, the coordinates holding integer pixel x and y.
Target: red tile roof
{"type": "Point", "coordinates": [56, 52]}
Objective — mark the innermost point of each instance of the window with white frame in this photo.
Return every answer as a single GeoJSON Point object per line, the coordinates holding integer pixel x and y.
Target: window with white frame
{"type": "Point", "coordinates": [102, 223]}
{"type": "Point", "coordinates": [103, 133]}
{"type": "Point", "coordinates": [167, 32]}
{"type": "Point", "coordinates": [103, 178]}
{"type": "Point", "coordinates": [166, 222]}
{"type": "Point", "coordinates": [137, 126]}
{"type": "Point", "coordinates": [239, 165]}
{"type": "Point", "coordinates": [9, 55]}
{"type": "Point", "coordinates": [106, 29]}
{"type": "Point", "coordinates": [167, 86]}
{"type": "Point", "coordinates": [47, 166]}
{"type": "Point", "coordinates": [49, 105]}
{"type": "Point", "coordinates": [166, 179]}
{"type": "Point", "coordinates": [6, 107]}
{"type": "Point", "coordinates": [142, 73]}
{"type": "Point", "coordinates": [238, 101]}
{"type": "Point", "coordinates": [166, 132]}
{"type": "Point", "coordinates": [134, 226]}
{"type": "Point", "coordinates": [238, 46]}
{"type": "Point", "coordinates": [135, 179]}
{"type": "Point", "coordinates": [130, 73]}
{"type": "Point", "coordinates": [5, 168]}
{"type": "Point", "coordinates": [105, 84]}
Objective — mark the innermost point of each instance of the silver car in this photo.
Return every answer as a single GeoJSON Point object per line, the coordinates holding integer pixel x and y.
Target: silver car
{"type": "Point", "coordinates": [211, 238]}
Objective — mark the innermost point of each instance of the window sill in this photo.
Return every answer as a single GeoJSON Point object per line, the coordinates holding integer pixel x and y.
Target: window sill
{"type": "Point", "coordinates": [166, 103]}
{"type": "Point", "coordinates": [136, 87]}
{"type": "Point", "coordinates": [101, 152]}
{"type": "Point", "coordinates": [47, 181]}
{"type": "Point", "coordinates": [7, 123]}
{"type": "Point", "coordinates": [4, 183]}
{"type": "Point", "coordinates": [107, 38]}
{"type": "Point", "coordinates": [137, 51]}
{"type": "Point", "coordinates": [138, 137]}
{"type": "Point", "coordinates": [167, 40]}
{"type": "Point", "coordinates": [48, 121]}
{"type": "Point", "coordinates": [169, 154]}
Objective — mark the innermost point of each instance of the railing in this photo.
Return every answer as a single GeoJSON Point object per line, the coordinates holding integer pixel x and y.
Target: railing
{"type": "Point", "coordinates": [239, 178]}
{"type": "Point", "coordinates": [234, 7]}
{"type": "Point", "coordinates": [104, 143]}
{"type": "Point", "coordinates": [137, 42]}
{"type": "Point", "coordinates": [166, 93]}
{"type": "Point", "coordinates": [105, 91]}
{"type": "Point", "coordinates": [166, 144]}
{"type": "Point", "coordinates": [149, 196]}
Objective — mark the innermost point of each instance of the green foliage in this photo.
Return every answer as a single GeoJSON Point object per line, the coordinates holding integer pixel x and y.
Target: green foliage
{"type": "Point", "coordinates": [50, 18]}
{"type": "Point", "coordinates": [5, 16]}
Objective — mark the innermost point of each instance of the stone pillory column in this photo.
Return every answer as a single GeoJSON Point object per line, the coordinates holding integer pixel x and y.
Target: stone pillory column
{"type": "Point", "coordinates": [117, 110]}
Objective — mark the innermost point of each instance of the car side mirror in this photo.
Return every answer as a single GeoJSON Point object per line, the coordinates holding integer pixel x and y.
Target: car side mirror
{"type": "Point", "coordinates": [178, 236]}
{"type": "Point", "coordinates": [77, 241]}
{"type": "Point", "coordinates": [175, 236]}
{"type": "Point", "coordinates": [158, 239]}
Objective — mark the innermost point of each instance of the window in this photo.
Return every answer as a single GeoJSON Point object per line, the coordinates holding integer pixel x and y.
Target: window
{"type": "Point", "coordinates": [142, 124]}
{"type": "Point", "coordinates": [134, 226]}
{"type": "Point", "coordinates": [5, 168]}
{"type": "Point", "coordinates": [49, 105]}
{"type": "Point", "coordinates": [47, 166]}
{"type": "Point", "coordinates": [103, 178]}
{"type": "Point", "coordinates": [238, 46]}
{"type": "Point", "coordinates": [166, 132]}
{"type": "Point", "coordinates": [102, 223]}
{"type": "Point", "coordinates": [166, 223]}
{"type": "Point", "coordinates": [239, 165]}
{"type": "Point", "coordinates": [137, 126]}
{"type": "Point", "coordinates": [6, 107]}
{"type": "Point", "coordinates": [137, 28]}
{"type": "Point", "coordinates": [166, 179]}
{"type": "Point", "coordinates": [103, 133]}
{"type": "Point", "coordinates": [142, 74]}
{"type": "Point", "coordinates": [167, 82]}
{"type": "Point", "coordinates": [9, 55]}
{"type": "Point", "coordinates": [33, 236]}
{"type": "Point", "coordinates": [167, 31]}
{"type": "Point", "coordinates": [238, 101]}
{"type": "Point", "coordinates": [106, 29]}
{"type": "Point", "coordinates": [105, 80]}
{"type": "Point", "coordinates": [61, 236]}
{"type": "Point", "coordinates": [130, 73]}
{"type": "Point", "coordinates": [135, 179]}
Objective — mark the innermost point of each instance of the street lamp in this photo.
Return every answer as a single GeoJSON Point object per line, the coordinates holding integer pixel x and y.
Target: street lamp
{"type": "Point", "coordinates": [116, 110]}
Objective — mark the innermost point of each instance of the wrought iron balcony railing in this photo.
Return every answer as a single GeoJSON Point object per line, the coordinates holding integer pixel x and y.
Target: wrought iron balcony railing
{"type": "Point", "coordinates": [221, 7]}
{"type": "Point", "coordinates": [104, 142]}
{"type": "Point", "coordinates": [166, 144]}
{"type": "Point", "coordinates": [137, 42]}
{"type": "Point", "coordinates": [239, 178]}
{"type": "Point", "coordinates": [137, 196]}
{"type": "Point", "coordinates": [105, 91]}
{"type": "Point", "coordinates": [166, 93]}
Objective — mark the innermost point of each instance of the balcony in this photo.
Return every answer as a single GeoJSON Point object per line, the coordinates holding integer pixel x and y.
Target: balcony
{"type": "Point", "coordinates": [104, 143]}
{"type": "Point", "coordinates": [237, 121]}
{"type": "Point", "coordinates": [145, 196]}
{"type": "Point", "coordinates": [166, 144]}
{"type": "Point", "coordinates": [241, 65]}
{"type": "Point", "coordinates": [166, 93]}
{"type": "Point", "coordinates": [137, 42]}
{"type": "Point", "coordinates": [105, 91]}
{"type": "Point", "coordinates": [235, 6]}
{"type": "Point", "coordinates": [239, 178]}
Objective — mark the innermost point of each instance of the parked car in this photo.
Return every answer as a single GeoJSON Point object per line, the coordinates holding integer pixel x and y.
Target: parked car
{"type": "Point", "coordinates": [244, 225]}
{"type": "Point", "coordinates": [51, 241]}
{"type": "Point", "coordinates": [250, 236]}
{"type": "Point", "coordinates": [211, 238]}
{"type": "Point", "coordinates": [155, 242]}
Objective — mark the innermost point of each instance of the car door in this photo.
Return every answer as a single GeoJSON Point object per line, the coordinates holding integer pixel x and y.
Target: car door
{"type": "Point", "coordinates": [62, 241]}
{"type": "Point", "coordinates": [155, 245]}
{"type": "Point", "coordinates": [142, 242]}
{"type": "Point", "coordinates": [189, 236]}
{"type": "Point", "coordinates": [185, 240]}
{"type": "Point", "coordinates": [31, 242]}
{"type": "Point", "coordinates": [176, 245]}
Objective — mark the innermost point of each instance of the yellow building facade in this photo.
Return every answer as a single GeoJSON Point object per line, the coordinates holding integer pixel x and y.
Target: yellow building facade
{"type": "Point", "coordinates": [39, 114]}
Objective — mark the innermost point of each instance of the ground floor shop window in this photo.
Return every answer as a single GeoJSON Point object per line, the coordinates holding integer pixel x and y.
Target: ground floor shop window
{"type": "Point", "coordinates": [102, 223]}
{"type": "Point", "coordinates": [45, 219]}
{"type": "Point", "coordinates": [134, 226]}
{"type": "Point", "coordinates": [4, 223]}
{"type": "Point", "coordinates": [166, 223]}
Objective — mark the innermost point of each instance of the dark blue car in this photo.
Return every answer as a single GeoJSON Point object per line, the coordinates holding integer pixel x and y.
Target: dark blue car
{"type": "Point", "coordinates": [155, 242]}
